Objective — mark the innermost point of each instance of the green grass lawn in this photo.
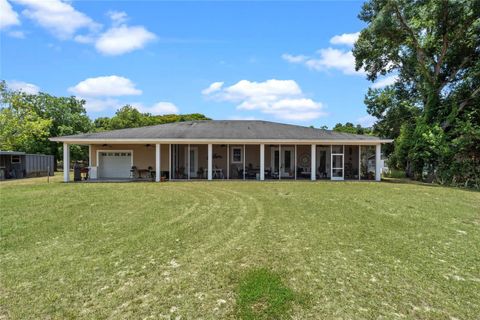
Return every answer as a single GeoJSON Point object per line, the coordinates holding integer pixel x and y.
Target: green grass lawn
{"type": "Point", "coordinates": [302, 250]}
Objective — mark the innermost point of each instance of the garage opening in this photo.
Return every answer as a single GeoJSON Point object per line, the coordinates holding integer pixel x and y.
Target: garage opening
{"type": "Point", "coordinates": [114, 164]}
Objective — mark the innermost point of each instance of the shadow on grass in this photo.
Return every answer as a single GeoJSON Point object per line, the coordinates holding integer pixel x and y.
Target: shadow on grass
{"type": "Point", "coordinates": [262, 295]}
{"type": "Point", "coordinates": [426, 184]}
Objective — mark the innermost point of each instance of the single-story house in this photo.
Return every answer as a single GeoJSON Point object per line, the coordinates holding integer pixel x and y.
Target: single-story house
{"type": "Point", "coordinates": [16, 165]}
{"type": "Point", "coordinates": [228, 149]}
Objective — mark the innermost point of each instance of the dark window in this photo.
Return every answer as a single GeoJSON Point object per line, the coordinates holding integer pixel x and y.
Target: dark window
{"type": "Point", "coordinates": [288, 159]}
{"type": "Point", "coordinates": [323, 161]}
{"type": "Point", "coordinates": [15, 159]}
{"type": "Point", "coordinates": [237, 155]}
{"type": "Point", "coordinates": [276, 160]}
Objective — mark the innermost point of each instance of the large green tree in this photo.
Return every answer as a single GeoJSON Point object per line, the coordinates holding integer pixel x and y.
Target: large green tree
{"type": "Point", "coordinates": [53, 116]}
{"type": "Point", "coordinates": [393, 108]}
{"type": "Point", "coordinates": [349, 127]}
{"type": "Point", "coordinates": [22, 130]}
{"type": "Point", "coordinates": [129, 117]}
{"type": "Point", "coordinates": [432, 109]}
{"type": "Point", "coordinates": [125, 117]}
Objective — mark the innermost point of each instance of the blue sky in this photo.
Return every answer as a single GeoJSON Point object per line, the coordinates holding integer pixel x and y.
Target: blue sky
{"type": "Point", "coordinates": [278, 61]}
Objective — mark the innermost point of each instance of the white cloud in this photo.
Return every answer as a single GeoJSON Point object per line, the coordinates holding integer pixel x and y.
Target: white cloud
{"type": "Point", "coordinates": [8, 17]}
{"type": "Point", "coordinates": [330, 58]}
{"type": "Point", "coordinates": [158, 108]}
{"type": "Point", "coordinates": [267, 90]}
{"type": "Point", "coordinates": [84, 39]}
{"type": "Point", "coordinates": [387, 81]}
{"type": "Point", "coordinates": [367, 121]}
{"type": "Point", "coordinates": [106, 86]}
{"type": "Point", "coordinates": [57, 16]}
{"type": "Point", "coordinates": [28, 88]}
{"type": "Point", "coordinates": [282, 99]}
{"type": "Point", "coordinates": [212, 88]}
{"type": "Point", "coordinates": [122, 39]}
{"type": "Point", "coordinates": [101, 94]}
{"type": "Point", "coordinates": [61, 19]}
{"type": "Point", "coordinates": [294, 59]}
{"type": "Point", "coordinates": [101, 104]}
{"type": "Point", "coordinates": [118, 17]}
{"type": "Point", "coordinates": [348, 39]}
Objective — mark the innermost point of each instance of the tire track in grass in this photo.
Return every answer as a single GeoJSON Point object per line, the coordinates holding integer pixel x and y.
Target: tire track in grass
{"type": "Point", "coordinates": [247, 231]}
{"type": "Point", "coordinates": [232, 251]}
{"type": "Point", "coordinates": [182, 281]}
{"type": "Point", "coordinates": [200, 212]}
{"type": "Point", "coordinates": [174, 226]}
{"type": "Point", "coordinates": [188, 211]}
{"type": "Point", "coordinates": [198, 268]}
{"type": "Point", "coordinates": [233, 234]}
{"type": "Point", "coordinates": [205, 205]}
{"type": "Point", "coordinates": [195, 213]}
{"type": "Point", "coordinates": [215, 257]}
{"type": "Point", "coordinates": [192, 219]}
{"type": "Point", "coordinates": [214, 240]}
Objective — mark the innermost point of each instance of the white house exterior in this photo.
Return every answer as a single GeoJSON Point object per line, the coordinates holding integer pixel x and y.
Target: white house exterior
{"type": "Point", "coordinates": [228, 149]}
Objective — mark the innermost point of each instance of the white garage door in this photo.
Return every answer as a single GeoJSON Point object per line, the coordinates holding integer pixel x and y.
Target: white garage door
{"type": "Point", "coordinates": [114, 164]}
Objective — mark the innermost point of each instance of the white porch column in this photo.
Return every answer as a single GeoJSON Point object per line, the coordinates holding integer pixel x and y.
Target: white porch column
{"type": "Point", "coordinates": [210, 162]}
{"type": "Point", "coordinates": [313, 163]}
{"type": "Point", "coordinates": [244, 162]}
{"type": "Point", "coordinates": [262, 162]}
{"type": "Point", "coordinates": [359, 162]}
{"type": "Point", "coordinates": [89, 155]}
{"type": "Point", "coordinates": [378, 174]}
{"type": "Point", "coordinates": [188, 161]}
{"type": "Point", "coordinates": [66, 162]}
{"type": "Point", "coordinates": [295, 162]}
{"type": "Point", "coordinates": [228, 162]}
{"type": "Point", "coordinates": [279, 162]}
{"type": "Point", "coordinates": [331, 162]}
{"type": "Point", "coordinates": [170, 162]}
{"type": "Point", "coordinates": [157, 162]}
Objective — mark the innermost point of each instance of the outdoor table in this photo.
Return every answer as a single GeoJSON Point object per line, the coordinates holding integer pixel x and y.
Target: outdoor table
{"type": "Point", "coordinates": [145, 172]}
{"type": "Point", "coordinates": [217, 173]}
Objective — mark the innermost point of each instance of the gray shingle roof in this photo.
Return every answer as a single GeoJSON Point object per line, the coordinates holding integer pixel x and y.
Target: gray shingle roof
{"type": "Point", "coordinates": [11, 153]}
{"type": "Point", "coordinates": [222, 129]}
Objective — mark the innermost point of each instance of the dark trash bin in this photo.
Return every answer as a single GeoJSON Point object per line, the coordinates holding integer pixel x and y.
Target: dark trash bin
{"type": "Point", "coordinates": [77, 172]}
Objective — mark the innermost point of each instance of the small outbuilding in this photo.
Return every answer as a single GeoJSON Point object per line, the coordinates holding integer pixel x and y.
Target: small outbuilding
{"type": "Point", "coordinates": [17, 165]}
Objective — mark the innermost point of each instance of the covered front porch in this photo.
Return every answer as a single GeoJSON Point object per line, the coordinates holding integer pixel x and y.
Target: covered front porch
{"type": "Point", "coordinates": [235, 161]}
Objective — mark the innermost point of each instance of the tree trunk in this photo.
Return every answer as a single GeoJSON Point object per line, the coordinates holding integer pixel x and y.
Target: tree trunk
{"type": "Point", "coordinates": [431, 105]}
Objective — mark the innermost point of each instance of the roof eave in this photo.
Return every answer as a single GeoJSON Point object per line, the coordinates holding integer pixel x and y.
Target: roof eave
{"type": "Point", "coordinates": [216, 141]}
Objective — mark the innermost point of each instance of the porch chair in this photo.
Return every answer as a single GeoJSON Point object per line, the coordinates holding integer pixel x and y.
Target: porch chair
{"type": "Point", "coordinates": [133, 172]}
{"type": "Point", "coordinates": [151, 173]}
